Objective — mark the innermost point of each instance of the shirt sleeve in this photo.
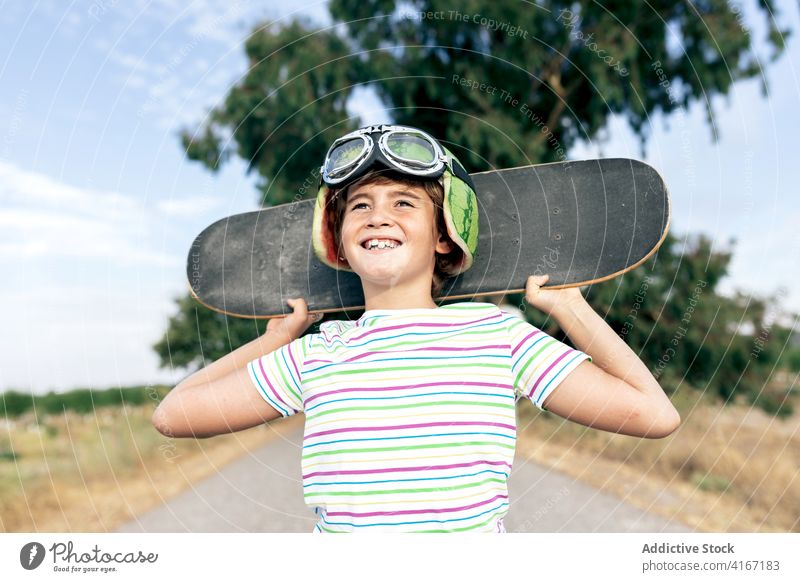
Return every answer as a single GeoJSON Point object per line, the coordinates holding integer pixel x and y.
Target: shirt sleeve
{"type": "Point", "coordinates": [539, 362]}
{"type": "Point", "coordinates": [277, 377]}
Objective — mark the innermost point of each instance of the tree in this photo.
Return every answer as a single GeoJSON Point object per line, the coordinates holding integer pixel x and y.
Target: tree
{"type": "Point", "coordinates": [196, 335]}
{"type": "Point", "coordinates": [670, 312]}
{"type": "Point", "coordinates": [281, 115]}
{"type": "Point", "coordinates": [502, 84]}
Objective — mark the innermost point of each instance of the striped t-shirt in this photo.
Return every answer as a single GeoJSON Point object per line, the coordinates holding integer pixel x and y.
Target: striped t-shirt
{"type": "Point", "coordinates": [410, 423]}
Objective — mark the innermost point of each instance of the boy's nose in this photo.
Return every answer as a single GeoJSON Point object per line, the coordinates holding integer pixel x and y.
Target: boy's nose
{"type": "Point", "coordinates": [379, 222]}
{"type": "Point", "coordinates": [379, 217]}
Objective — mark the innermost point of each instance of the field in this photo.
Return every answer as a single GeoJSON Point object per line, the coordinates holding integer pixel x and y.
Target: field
{"type": "Point", "coordinates": [726, 469]}
{"type": "Point", "coordinates": [732, 469]}
{"type": "Point", "coordinates": [93, 472]}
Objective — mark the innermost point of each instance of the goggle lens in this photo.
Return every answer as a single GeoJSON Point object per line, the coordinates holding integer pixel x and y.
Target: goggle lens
{"type": "Point", "coordinates": [344, 155]}
{"type": "Point", "coordinates": [411, 148]}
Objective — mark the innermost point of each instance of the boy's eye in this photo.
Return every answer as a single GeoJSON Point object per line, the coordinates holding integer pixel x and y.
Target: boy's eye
{"type": "Point", "coordinates": [359, 204]}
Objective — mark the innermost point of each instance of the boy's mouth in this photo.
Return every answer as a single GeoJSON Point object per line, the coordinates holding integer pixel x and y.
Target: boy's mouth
{"type": "Point", "coordinates": [380, 244]}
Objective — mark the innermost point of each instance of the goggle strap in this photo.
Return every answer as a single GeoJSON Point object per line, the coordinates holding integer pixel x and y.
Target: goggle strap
{"type": "Point", "coordinates": [461, 173]}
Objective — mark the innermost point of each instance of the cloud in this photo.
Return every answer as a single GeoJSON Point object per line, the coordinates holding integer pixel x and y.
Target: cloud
{"type": "Point", "coordinates": [365, 103]}
{"type": "Point", "coordinates": [185, 56]}
{"type": "Point", "coordinates": [129, 61]}
{"type": "Point", "coordinates": [188, 207]}
{"type": "Point", "coordinates": [43, 218]}
{"type": "Point", "coordinates": [86, 281]}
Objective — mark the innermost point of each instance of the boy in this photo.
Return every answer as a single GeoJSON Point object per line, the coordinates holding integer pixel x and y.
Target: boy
{"type": "Point", "coordinates": [410, 422]}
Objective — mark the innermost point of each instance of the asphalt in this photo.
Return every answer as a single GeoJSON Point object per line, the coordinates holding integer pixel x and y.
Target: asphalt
{"type": "Point", "coordinates": [262, 492]}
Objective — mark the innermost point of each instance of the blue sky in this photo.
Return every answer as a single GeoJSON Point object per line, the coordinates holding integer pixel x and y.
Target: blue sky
{"type": "Point", "coordinates": [99, 204]}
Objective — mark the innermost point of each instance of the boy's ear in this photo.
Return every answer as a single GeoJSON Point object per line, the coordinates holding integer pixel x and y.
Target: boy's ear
{"type": "Point", "coordinates": [444, 246]}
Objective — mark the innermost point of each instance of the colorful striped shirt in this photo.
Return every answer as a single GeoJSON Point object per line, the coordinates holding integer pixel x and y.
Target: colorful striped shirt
{"type": "Point", "coordinates": [410, 420]}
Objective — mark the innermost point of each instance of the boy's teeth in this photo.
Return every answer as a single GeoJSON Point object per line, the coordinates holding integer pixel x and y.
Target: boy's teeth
{"type": "Point", "coordinates": [380, 244]}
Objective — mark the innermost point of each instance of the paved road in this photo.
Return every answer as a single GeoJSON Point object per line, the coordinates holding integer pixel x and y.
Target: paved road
{"type": "Point", "coordinates": [262, 492]}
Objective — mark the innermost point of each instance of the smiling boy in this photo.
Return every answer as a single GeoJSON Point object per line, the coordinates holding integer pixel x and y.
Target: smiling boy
{"type": "Point", "coordinates": [387, 234]}
{"type": "Point", "coordinates": [410, 422]}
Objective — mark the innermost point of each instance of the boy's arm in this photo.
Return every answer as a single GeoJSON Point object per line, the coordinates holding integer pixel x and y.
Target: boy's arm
{"type": "Point", "coordinates": [615, 392]}
{"type": "Point", "coordinates": [221, 398]}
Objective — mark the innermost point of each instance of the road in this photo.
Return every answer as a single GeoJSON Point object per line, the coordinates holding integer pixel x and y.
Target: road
{"type": "Point", "coordinates": [262, 492]}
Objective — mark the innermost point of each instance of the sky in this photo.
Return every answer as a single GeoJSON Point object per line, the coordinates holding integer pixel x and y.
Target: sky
{"type": "Point", "coordinates": [99, 205]}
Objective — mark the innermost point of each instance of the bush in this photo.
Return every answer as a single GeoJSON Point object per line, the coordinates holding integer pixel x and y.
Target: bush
{"type": "Point", "coordinates": [16, 403]}
{"type": "Point", "coordinates": [80, 400]}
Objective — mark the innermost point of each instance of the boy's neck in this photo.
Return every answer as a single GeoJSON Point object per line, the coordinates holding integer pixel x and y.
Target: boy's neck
{"type": "Point", "coordinates": [407, 297]}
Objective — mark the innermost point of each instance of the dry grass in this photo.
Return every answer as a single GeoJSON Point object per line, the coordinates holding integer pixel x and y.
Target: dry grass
{"type": "Point", "coordinates": [726, 469]}
{"type": "Point", "coordinates": [82, 473]}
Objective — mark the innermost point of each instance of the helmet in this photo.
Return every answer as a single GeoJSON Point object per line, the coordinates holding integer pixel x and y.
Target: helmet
{"type": "Point", "coordinates": [407, 151]}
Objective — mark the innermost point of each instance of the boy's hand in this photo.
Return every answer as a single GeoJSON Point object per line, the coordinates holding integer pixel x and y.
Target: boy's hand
{"type": "Point", "coordinates": [290, 327]}
{"type": "Point", "coordinates": [550, 301]}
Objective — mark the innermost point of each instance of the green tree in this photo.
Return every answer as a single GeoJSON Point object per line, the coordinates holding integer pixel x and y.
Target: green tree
{"type": "Point", "coordinates": [502, 84]}
{"type": "Point", "coordinates": [689, 334]}
{"type": "Point", "coordinates": [281, 115]}
{"type": "Point", "coordinates": [197, 335]}
{"type": "Point", "coordinates": [568, 65]}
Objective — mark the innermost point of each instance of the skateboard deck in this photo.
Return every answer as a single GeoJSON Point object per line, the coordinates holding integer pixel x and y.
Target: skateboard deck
{"type": "Point", "coordinates": [580, 222]}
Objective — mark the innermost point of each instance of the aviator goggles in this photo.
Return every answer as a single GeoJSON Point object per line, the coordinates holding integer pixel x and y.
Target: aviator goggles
{"type": "Point", "coordinates": [405, 149]}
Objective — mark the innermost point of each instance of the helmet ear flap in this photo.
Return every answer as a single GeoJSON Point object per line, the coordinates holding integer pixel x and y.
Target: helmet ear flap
{"type": "Point", "coordinates": [322, 235]}
{"type": "Point", "coordinates": [461, 217]}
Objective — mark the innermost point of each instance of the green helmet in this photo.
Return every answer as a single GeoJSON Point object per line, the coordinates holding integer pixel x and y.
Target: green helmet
{"type": "Point", "coordinates": [407, 151]}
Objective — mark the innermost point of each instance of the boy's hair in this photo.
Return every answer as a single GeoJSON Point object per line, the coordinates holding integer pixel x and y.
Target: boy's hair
{"type": "Point", "coordinates": [435, 191]}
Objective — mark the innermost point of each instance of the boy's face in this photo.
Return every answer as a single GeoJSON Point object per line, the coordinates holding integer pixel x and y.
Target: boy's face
{"type": "Point", "coordinates": [396, 213]}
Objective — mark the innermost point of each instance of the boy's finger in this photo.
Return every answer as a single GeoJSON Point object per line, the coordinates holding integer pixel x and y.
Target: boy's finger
{"type": "Point", "coordinates": [300, 308]}
{"type": "Point", "coordinates": [535, 281]}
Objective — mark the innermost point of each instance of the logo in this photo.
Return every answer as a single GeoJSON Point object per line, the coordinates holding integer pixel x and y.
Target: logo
{"type": "Point", "coordinates": [31, 555]}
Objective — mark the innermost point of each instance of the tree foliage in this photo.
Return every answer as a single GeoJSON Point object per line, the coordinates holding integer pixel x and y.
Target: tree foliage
{"type": "Point", "coordinates": [505, 83]}
{"type": "Point", "coordinates": [670, 312]}
{"type": "Point", "coordinates": [502, 84]}
{"type": "Point", "coordinates": [196, 335]}
{"type": "Point", "coordinates": [281, 115]}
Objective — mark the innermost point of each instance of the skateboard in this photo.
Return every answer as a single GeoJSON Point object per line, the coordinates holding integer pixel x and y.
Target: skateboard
{"type": "Point", "coordinates": [581, 222]}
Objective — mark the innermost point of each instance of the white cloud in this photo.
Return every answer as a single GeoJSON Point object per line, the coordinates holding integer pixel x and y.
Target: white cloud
{"type": "Point", "coordinates": [87, 282]}
{"type": "Point", "coordinates": [365, 103]}
{"type": "Point", "coordinates": [45, 218]}
{"type": "Point", "coordinates": [188, 53]}
{"type": "Point", "coordinates": [31, 188]}
{"type": "Point", "coordinates": [90, 280]}
{"type": "Point", "coordinates": [129, 61]}
{"type": "Point", "coordinates": [188, 207]}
